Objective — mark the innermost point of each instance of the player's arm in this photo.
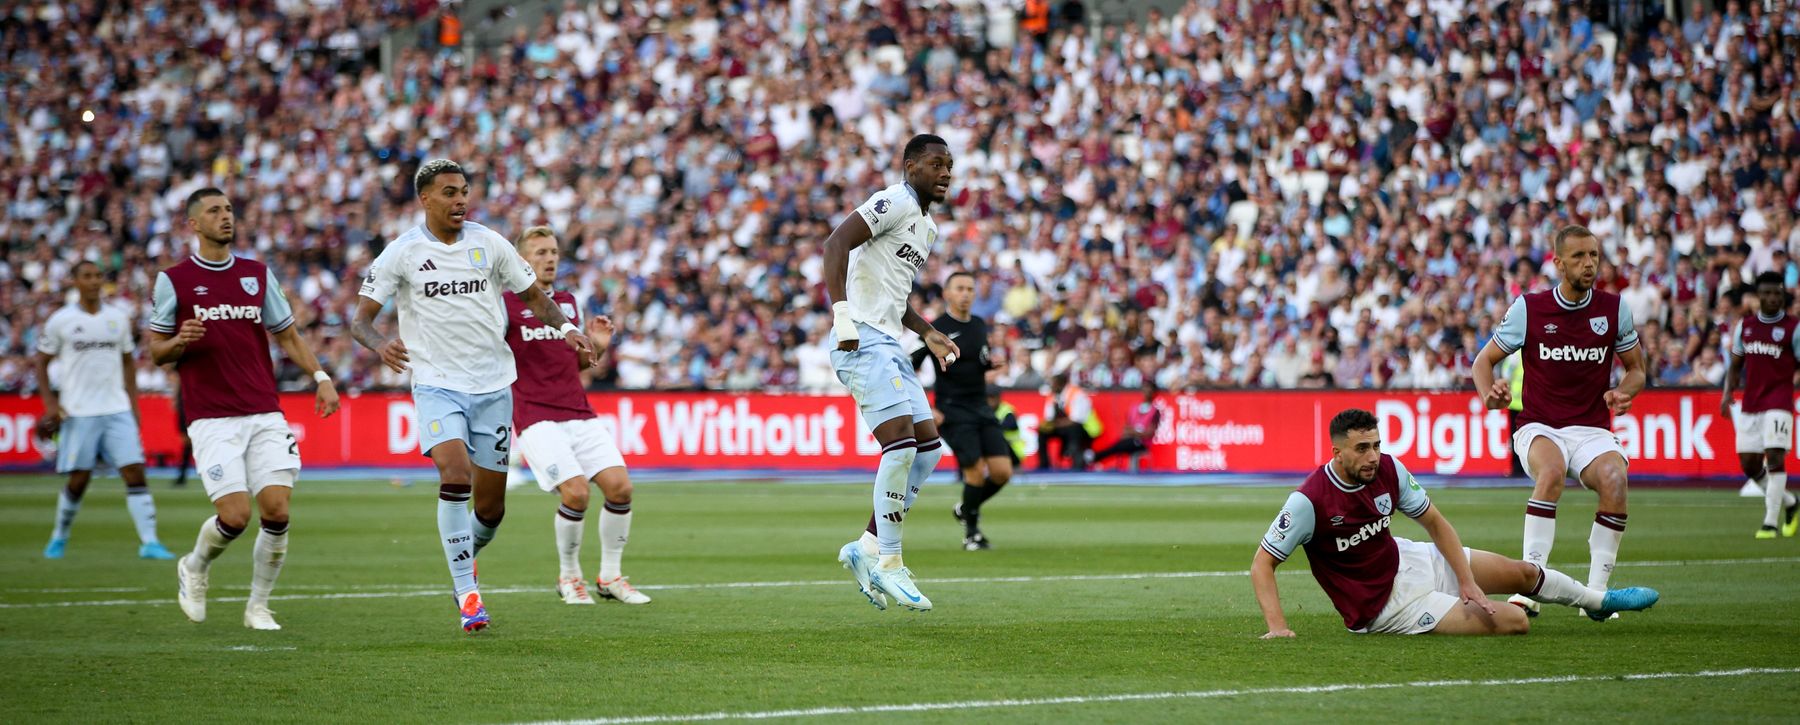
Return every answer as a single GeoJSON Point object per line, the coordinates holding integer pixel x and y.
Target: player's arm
{"type": "Point", "coordinates": [1631, 354]}
{"type": "Point", "coordinates": [129, 362]}
{"type": "Point", "coordinates": [942, 348]}
{"type": "Point", "coordinates": [545, 309]}
{"type": "Point", "coordinates": [853, 232]}
{"type": "Point", "coordinates": [1497, 394]}
{"type": "Point", "coordinates": [53, 412]}
{"type": "Point", "coordinates": [1290, 530]}
{"type": "Point", "coordinates": [599, 333]}
{"type": "Point", "coordinates": [383, 281]}
{"type": "Point", "coordinates": [1417, 506]}
{"type": "Point", "coordinates": [278, 316]}
{"type": "Point", "coordinates": [167, 341]}
{"type": "Point", "coordinates": [1733, 369]}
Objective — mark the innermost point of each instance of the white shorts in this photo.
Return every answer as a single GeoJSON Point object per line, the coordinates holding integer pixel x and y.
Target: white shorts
{"type": "Point", "coordinates": [244, 454]}
{"type": "Point", "coordinates": [1425, 588]}
{"type": "Point", "coordinates": [1581, 445]}
{"type": "Point", "coordinates": [560, 450]}
{"type": "Point", "coordinates": [1764, 430]}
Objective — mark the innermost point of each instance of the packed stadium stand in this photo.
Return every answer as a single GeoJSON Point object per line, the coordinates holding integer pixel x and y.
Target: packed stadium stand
{"type": "Point", "coordinates": [1231, 194]}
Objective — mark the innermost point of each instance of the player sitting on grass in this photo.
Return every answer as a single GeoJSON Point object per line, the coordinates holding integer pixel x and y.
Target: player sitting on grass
{"type": "Point", "coordinates": [1385, 584]}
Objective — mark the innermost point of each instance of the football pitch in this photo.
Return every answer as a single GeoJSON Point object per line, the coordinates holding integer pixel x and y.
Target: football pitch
{"type": "Point", "coordinates": [1118, 604]}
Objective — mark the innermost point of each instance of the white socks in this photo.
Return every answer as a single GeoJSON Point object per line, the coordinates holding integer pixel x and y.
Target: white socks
{"type": "Point", "coordinates": [1540, 530]}
{"type": "Point", "coordinates": [143, 513]}
{"type": "Point", "coordinates": [568, 541]}
{"type": "Point", "coordinates": [891, 480]}
{"type": "Point", "coordinates": [1555, 587]}
{"type": "Point", "coordinates": [1774, 497]}
{"type": "Point", "coordinates": [930, 452]}
{"type": "Point", "coordinates": [270, 552]}
{"type": "Point", "coordinates": [1603, 548]}
{"type": "Point", "coordinates": [458, 540]}
{"type": "Point", "coordinates": [615, 532]}
{"type": "Point", "coordinates": [214, 537]}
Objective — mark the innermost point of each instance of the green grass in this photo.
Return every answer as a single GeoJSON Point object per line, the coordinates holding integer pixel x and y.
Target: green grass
{"type": "Point", "coordinates": [398, 655]}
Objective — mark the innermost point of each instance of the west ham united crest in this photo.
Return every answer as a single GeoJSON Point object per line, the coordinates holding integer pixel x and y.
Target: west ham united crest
{"type": "Point", "coordinates": [1598, 325]}
{"type": "Point", "coordinates": [1778, 333]}
{"type": "Point", "coordinates": [1384, 504]}
{"type": "Point", "coordinates": [568, 310]}
{"type": "Point", "coordinates": [250, 285]}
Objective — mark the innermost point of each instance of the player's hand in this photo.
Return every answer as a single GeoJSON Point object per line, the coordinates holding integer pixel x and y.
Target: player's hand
{"type": "Point", "coordinates": [1725, 407]}
{"type": "Point", "coordinates": [583, 347]}
{"type": "Point", "coordinates": [393, 355]}
{"type": "Point", "coordinates": [1283, 633]}
{"type": "Point", "coordinates": [1498, 396]}
{"type": "Point", "coordinates": [190, 332]}
{"type": "Point", "coordinates": [1618, 402]}
{"type": "Point", "coordinates": [1472, 595]}
{"type": "Point", "coordinates": [942, 347]}
{"type": "Point", "coordinates": [326, 399]}
{"type": "Point", "coordinates": [53, 418]}
{"type": "Point", "coordinates": [600, 332]}
{"type": "Point", "coordinates": [848, 345]}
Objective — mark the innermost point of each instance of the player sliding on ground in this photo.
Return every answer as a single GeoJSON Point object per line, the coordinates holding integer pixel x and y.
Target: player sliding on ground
{"type": "Point", "coordinates": [445, 277]}
{"type": "Point", "coordinates": [560, 435]}
{"type": "Point", "coordinates": [1384, 584]}
{"type": "Point", "coordinates": [870, 262]}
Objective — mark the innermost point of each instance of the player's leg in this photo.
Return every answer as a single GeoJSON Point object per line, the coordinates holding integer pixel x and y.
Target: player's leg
{"type": "Point", "coordinates": [570, 519]}
{"type": "Point", "coordinates": [273, 462]}
{"type": "Point", "coordinates": [1776, 435]}
{"type": "Point", "coordinates": [121, 446]}
{"type": "Point", "coordinates": [615, 533]}
{"type": "Point", "coordinates": [1547, 466]}
{"type": "Point", "coordinates": [876, 384]}
{"type": "Point", "coordinates": [270, 551]}
{"type": "Point", "coordinates": [68, 504]}
{"type": "Point", "coordinates": [1496, 574]}
{"type": "Point", "coordinates": [1467, 619]}
{"type": "Point", "coordinates": [546, 447]}
{"type": "Point", "coordinates": [77, 453]}
{"type": "Point", "coordinates": [490, 446]}
{"type": "Point", "coordinates": [960, 435]}
{"type": "Point", "coordinates": [220, 445]}
{"type": "Point", "coordinates": [1605, 474]}
{"type": "Point", "coordinates": [443, 436]}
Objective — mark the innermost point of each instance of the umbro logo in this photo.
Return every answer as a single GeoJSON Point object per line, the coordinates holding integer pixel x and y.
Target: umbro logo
{"type": "Point", "coordinates": [200, 290]}
{"type": "Point", "coordinates": [1549, 329]}
{"type": "Point", "coordinates": [428, 266]}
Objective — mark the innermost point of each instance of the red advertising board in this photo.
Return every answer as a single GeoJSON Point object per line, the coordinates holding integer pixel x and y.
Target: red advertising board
{"type": "Point", "coordinates": [1667, 432]}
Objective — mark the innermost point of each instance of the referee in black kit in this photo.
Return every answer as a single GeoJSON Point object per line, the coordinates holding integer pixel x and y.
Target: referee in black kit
{"type": "Point", "coordinates": [969, 426]}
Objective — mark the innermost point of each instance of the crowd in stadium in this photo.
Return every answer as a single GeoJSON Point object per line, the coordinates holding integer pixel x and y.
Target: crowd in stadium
{"type": "Point", "coordinates": [1234, 195]}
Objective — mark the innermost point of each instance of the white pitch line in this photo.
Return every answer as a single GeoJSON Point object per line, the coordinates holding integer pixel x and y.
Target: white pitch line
{"type": "Point", "coordinates": [399, 591]}
{"type": "Point", "coordinates": [1155, 696]}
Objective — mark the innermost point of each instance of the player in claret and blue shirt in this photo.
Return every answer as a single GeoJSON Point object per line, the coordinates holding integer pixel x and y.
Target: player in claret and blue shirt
{"type": "Point", "coordinates": [1763, 350]}
{"type": "Point", "coordinates": [1382, 583]}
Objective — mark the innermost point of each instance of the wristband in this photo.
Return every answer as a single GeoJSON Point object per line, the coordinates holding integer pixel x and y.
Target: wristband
{"type": "Point", "coordinates": [567, 328]}
{"type": "Point", "coordinates": [321, 377]}
{"type": "Point", "coordinates": [842, 326]}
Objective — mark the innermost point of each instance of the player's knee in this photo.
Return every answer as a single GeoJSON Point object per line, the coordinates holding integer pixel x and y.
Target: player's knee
{"type": "Point", "coordinates": [1509, 619]}
{"type": "Point", "coordinates": [574, 493]}
{"type": "Point", "coordinates": [491, 511]}
{"type": "Point", "coordinates": [236, 516]}
{"type": "Point", "coordinates": [619, 493]}
{"type": "Point", "coordinates": [1777, 462]}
